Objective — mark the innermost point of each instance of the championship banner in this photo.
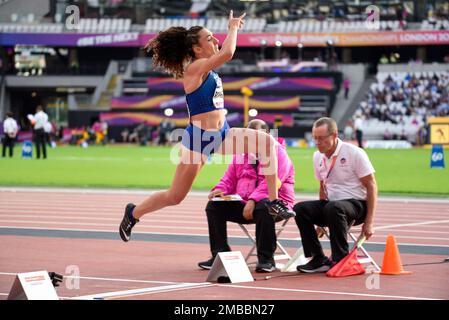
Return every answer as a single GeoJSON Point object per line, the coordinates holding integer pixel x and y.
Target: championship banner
{"type": "Point", "coordinates": [347, 39]}
{"type": "Point", "coordinates": [340, 39]}
{"type": "Point", "coordinates": [136, 39]}
{"type": "Point", "coordinates": [128, 39]}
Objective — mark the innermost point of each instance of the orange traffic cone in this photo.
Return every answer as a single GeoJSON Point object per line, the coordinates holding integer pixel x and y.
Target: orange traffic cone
{"type": "Point", "coordinates": [392, 264]}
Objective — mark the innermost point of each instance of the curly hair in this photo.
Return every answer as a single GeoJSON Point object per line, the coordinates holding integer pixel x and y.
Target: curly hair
{"type": "Point", "coordinates": [172, 48]}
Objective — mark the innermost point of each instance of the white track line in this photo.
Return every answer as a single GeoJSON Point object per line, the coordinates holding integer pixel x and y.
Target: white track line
{"type": "Point", "coordinates": [135, 292]}
{"type": "Point", "coordinates": [187, 219]}
{"type": "Point", "coordinates": [101, 224]}
{"type": "Point", "coordinates": [303, 196]}
{"type": "Point", "coordinates": [332, 292]}
{"type": "Point", "coordinates": [410, 224]}
{"type": "Point", "coordinates": [106, 231]}
{"type": "Point", "coordinates": [96, 218]}
{"type": "Point", "coordinates": [90, 190]}
{"type": "Point", "coordinates": [170, 217]}
{"type": "Point", "coordinates": [169, 214]}
{"type": "Point", "coordinates": [105, 279]}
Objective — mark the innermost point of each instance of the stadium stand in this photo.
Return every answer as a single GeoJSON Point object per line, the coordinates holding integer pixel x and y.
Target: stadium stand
{"type": "Point", "coordinates": [216, 24]}
{"type": "Point", "coordinates": [399, 103]}
{"type": "Point", "coordinates": [122, 71]}
{"type": "Point", "coordinates": [104, 25]}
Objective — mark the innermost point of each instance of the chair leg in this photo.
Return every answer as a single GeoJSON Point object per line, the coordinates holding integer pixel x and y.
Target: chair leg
{"type": "Point", "coordinates": [283, 255]}
{"type": "Point", "coordinates": [366, 259]}
{"type": "Point", "coordinates": [253, 240]}
{"type": "Point", "coordinates": [282, 252]}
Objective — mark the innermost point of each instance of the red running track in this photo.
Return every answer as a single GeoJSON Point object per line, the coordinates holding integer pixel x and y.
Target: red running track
{"type": "Point", "coordinates": [44, 229]}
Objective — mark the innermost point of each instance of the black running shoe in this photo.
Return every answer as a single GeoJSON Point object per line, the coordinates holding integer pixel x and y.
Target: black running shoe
{"type": "Point", "coordinates": [317, 264]}
{"type": "Point", "coordinates": [128, 222]}
{"type": "Point", "coordinates": [278, 209]}
{"type": "Point", "coordinates": [207, 265]}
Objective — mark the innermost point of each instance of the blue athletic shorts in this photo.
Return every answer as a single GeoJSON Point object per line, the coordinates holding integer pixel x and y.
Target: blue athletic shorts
{"type": "Point", "coordinates": [203, 141]}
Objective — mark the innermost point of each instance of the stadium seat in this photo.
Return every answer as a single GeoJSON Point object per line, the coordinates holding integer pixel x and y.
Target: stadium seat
{"type": "Point", "coordinates": [114, 25]}
{"type": "Point", "coordinates": [282, 26]}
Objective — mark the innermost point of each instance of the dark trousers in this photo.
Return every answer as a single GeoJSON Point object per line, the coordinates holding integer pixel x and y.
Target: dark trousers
{"type": "Point", "coordinates": [219, 212]}
{"type": "Point", "coordinates": [48, 139]}
{"type": "Point", "coordinates": [8, 142]}
{"type": "Point", "coordinates": [40, 141]}
{"type": "Point", "coordinates": [359, 137]}
{"type": "Point", "coordinates": [337, 215]}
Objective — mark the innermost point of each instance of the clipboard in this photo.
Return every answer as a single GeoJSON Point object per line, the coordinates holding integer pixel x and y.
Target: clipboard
{"type": "Point", "coordinates": [229, 197]}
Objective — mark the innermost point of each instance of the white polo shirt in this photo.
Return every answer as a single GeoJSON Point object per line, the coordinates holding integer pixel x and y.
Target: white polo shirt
{"type": "Point", "coordinates": [10, 127]}
{"type": "Point", "coordinates": [48, 127]}
{"type": "Point", "coordinates": [358, 124]}
{"type": "Point", "coordinates": [343, 182]}
{"type": "Point", "coordinates": [41, 118]}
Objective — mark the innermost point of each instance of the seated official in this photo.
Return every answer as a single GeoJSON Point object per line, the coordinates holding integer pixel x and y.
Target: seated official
{"type": "Point", "coordinates": [348, 194]}
{"type": "Point", "coordinates": [244, 178]}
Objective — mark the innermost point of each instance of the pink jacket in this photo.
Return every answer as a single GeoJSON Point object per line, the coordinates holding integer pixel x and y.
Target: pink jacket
{"type": "Point", "coordinates": [241, 178]}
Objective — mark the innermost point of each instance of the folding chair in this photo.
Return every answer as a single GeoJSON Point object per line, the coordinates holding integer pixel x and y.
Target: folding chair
{"type": "Point", "coordinates": [363, 256]}
{"type": "Point", "coordinates": [279, 254]}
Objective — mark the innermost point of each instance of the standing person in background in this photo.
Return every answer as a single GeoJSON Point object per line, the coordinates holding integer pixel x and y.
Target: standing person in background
{"type": "Point", "coordinates": [48, 128]}
{"type": "Point", "coordinates": [10, 129]}
{"type": "Point", "coordinates": [358, 126]}
{"type": "Point", "coordinates": [40, 119]}
{"type": "Point", "coordinates": [346, 85]}
{"type": "Point", "coordinates": [60, 135]}
{"type": "Point", "coordinates": [164, 132]}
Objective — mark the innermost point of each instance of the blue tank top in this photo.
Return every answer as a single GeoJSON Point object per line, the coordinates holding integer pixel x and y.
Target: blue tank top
{"type": "Point", "coordinates": [207, 97]}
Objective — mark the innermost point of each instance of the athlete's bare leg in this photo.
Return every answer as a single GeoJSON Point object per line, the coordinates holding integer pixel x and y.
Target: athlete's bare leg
{"type": "Point", "coordinates": [185, 174]}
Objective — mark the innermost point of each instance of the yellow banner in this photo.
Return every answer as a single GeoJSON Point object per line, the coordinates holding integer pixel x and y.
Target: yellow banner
{"type": "Point", "coordinates": [439, 133]}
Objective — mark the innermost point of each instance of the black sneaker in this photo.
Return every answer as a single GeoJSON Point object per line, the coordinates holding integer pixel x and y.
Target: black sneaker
{"type": "Point", "coordinates": [265, 267]}
{"type": "Point", "coordinates": [317, 264]}
{"type": "Point", "coordinates": [127, 223]}
{"type": "Point", "coordinates": [278, 209]}
{"type": "Point", "coordinates": [207, 265]}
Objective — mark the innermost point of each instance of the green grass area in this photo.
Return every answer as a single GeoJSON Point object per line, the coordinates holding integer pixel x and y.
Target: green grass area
{"type": "Point", "coordinates": [397, 171]}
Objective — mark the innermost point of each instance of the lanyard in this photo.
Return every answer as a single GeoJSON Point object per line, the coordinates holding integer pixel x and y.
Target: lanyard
{"type": "Point", "coordinates": [334, 159]}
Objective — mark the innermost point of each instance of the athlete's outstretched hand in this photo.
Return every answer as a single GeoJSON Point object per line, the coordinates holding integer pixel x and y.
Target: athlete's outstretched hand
{"type": "Point", "coordinates": [236, 22]}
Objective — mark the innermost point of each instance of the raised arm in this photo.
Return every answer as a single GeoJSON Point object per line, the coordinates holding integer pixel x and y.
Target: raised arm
{"type": "Point", "coordinates": [204, 65]}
